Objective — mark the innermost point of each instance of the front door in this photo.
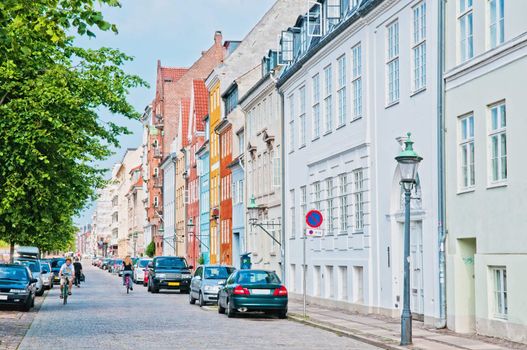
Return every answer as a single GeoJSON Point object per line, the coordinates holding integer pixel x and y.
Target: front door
{"type": "Point", "coordinates": [416, 269]}
{"type": "Point", "coordinates": [236, 249]}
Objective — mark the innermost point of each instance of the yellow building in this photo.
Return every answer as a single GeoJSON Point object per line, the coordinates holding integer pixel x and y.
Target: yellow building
{"type": "Point", "coordinates": [213, 86]}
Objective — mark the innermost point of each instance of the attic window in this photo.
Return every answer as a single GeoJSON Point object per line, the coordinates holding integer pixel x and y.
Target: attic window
{"type": "Point", "coordinates": [314, 23]}
{"type": "Point", "coordinates": [167, 80]}
{"type": "Point", "coordinates": [332, 11]}
{"type": "Point", "coordinates": [286, 46]}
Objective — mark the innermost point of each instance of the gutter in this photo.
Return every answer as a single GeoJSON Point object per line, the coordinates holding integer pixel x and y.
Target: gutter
{"type": "Point", "coordinates": [441, 164]}
{"type": "Point", "coordinates": [282, 157]}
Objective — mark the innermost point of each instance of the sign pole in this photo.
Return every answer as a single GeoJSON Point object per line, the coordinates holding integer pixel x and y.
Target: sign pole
{"type": "Point", "coordinates": [314, 220]}
{"type": "Point", "coordinates": [304, 268]}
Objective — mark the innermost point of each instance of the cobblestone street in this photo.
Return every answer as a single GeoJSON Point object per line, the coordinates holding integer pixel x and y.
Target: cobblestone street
{"type": "Point", "coordinates": [100, 315]}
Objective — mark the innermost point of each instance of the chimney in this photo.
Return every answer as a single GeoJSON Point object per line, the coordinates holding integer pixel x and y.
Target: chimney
{"type": "Point", "coordinates": [218, 37]}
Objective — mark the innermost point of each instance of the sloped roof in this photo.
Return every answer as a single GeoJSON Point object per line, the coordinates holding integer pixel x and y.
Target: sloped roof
{"type": "Point", "coordinates": [185, 111]}
{"type": "Point", "coordinates": [173, 73]}
{"type": "Point", "coordinates": [201, 105]}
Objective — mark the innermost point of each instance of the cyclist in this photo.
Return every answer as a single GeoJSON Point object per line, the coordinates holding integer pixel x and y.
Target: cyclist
{"type": "Point", "coordinates": [128, 269]}
{"type": "Point", "coordinates": [78, 272]}
{"type": "Point", "coordinates": [66, 275]}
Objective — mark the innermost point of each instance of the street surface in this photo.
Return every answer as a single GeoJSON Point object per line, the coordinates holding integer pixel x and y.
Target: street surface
{"type": "Point", "coordinates": [101, 315]}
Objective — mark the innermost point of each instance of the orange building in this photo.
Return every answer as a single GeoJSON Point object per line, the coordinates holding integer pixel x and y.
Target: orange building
{"type": "Point", "coordinates": [224, 130]}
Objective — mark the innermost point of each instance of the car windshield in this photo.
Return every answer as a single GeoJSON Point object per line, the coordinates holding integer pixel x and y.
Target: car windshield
{"type": "Point", "coordinates": [56, 264]}
{"type": "Point", "coordinates": [13, 273]}
{"type": "Point", "coordinates": [46, 268]}
{"type": "Point", "coordinates": [143, 263]}
{"type": "Point", "coordinates": [257, 277]}
{"type": "Point", "coordinates": [218, 272]}
{"type": "Point", "coordinates": [34, 266]}
{"type": "Point", "coordinates": [117, 262]}
{"type": "Point", "coordinates": [171, 263]}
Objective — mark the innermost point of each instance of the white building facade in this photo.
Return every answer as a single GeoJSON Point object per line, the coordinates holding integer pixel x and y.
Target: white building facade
{"type": "Point", "coordinates": [486, 69]}
{"type": "Point", "coordinates": [350, 96]}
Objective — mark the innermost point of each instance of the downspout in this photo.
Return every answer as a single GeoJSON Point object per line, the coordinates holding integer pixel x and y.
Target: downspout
{"type": "Point", "coordinates": [441, 164]}
{"type": "Point", "coordinates": [282, 175]}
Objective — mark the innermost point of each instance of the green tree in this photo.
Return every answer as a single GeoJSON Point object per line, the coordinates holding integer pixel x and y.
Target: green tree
{"type": "Point", "coordinates": [150, 250]}
{"type": "Point", "coordinates": [50, 133]}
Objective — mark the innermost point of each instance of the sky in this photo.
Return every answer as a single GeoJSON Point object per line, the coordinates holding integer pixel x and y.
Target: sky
{"type": "Point", "coordinates": [173, 31]}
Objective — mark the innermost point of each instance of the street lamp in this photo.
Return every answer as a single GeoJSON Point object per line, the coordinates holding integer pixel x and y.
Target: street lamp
{"type": "Point", "coordinates": [252, 208]}
{"type": "Point", "coordinates": [408, 163]}
{"type": "Point", "coordinates": [190, 228]}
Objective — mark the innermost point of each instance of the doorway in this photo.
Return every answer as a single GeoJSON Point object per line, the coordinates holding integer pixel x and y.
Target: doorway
{"type": "Point", "coordinates": [236, 249]}
{"type": "Point", "coordinates": [466, 292]}
{"type": "Point", "coordinates": [416, 269]}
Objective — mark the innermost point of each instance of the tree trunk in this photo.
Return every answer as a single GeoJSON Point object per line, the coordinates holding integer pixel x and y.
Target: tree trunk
{"type": "Point", "coordinates": [11, 252]}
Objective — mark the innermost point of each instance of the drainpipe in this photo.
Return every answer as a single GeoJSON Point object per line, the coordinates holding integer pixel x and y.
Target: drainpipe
{"type": "Point", "coordinates": [282, 157]}
{"type": "Point", "coordinates": [441, 164]}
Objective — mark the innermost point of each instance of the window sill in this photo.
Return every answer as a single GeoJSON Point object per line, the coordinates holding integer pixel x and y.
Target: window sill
{"type": "Point", "coordinates": [291, 152]}
{"type": "Point", "coordinates": [341, 126]}
{"type": "Point", "coordinates": [327, 133]}
{"type": "Point", "coordinates": [314, 139]}
{"type": "Point", "coordinates": [361, 232]}
{"type": "Point", "coordinates": [302, 146]}
{"type": "Point", "coordinates": [342, 234]}
{"type": "Point", "coordinates": [355, 119]}
{"type": "Point", "coordinates": [497, 185]}
{"type": "Point", "coordinates": [501, 318]}
{"type": "Point", "coordinates": [466, 190]}
{"type": "Point", "coordinates": [391, 104]}
{"type": "Point", "coordinates": [417, 92]}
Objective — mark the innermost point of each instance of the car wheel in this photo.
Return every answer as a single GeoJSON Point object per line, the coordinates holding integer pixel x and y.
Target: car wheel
{"type": "Point", "coordinates": [27, 305]}
{"type": "Point", "coordinates": [40, 293]}
{"type": "Point", "coordinates": [230, 311]}
{"type": "Point", "coordinates": [201, 301]}
{"type": "Point", "coordinates": [282, 314]}
{"type": "Point", "coordinates": [191, 300]}
{"type": "Point", "coordinates": [154, 289]}
{"type": "Point", "coordinates": [33, 302]}
{"type": "Point", "coordinates": [221, 310]}
{"type": "Point", "coordinates": [144, 284]}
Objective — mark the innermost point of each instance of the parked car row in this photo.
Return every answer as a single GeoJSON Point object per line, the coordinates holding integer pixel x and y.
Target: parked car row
{"type": "Point", "coordinates": [27, 277]}
{"type": "Point", "coordinates": [234, 291]}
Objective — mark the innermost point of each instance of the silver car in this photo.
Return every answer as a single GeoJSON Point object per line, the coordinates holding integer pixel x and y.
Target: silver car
{"type": "Point", "coordinates": [34, 267]}
{"type": "Point", "coordinates": [204, 285]}
{"type": "Point", "coordinates": [47, 275]}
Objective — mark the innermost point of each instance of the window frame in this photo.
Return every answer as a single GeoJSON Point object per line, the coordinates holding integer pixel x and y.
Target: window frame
{"type": "Point", "coordinates": [315, 84]}
{"type": "Point", "coordinates": [466, 52]}
{"type": "Point", "coordinates": [499, 132]}
{"type": "Point", "coordinates": [467, 170]}
{"type": "Point", "coordinates": [341, 91]}
{"type": "Point", "coordinates": [356, 82]}
{"type": "Point", "coordinates": [499, 292]}
{"type": "Point", "coordinates": [358, 196]}
{"type": "Point", "coordinates": [393, 93]}
{"type": "Point", "coordinates": [499, 22]}
{"type": "Point", "coordinates": [302, 117]}
{"type": "Point", "coordinates": [419, 47]}
{"type": "Point", "coordinates": [327, 115]}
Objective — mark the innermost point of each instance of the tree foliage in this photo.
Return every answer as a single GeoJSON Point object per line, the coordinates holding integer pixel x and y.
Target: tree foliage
{"type": "Point", "coordinates": [50, 132]}
{"type": "Point", "coordinates": [150, 250]}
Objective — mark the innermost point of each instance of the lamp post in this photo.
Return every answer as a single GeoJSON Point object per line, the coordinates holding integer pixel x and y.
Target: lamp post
{"type": "Point", "coordinates": [408, 163]}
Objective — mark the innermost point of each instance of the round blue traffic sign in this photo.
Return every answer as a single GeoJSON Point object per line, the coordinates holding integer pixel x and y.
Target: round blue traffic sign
{"type": "Point", "coordinates": [314, 218]}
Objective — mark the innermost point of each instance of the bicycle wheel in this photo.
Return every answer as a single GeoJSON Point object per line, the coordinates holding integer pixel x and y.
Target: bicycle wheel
{"type": "Point", "coordinates": [65, 294]}
{"type": "Point", "coordinates": [127, 279]}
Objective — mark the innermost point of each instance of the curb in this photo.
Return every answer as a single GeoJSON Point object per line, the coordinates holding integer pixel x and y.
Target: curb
{"type": "Point", "coordinates": [344, 333]}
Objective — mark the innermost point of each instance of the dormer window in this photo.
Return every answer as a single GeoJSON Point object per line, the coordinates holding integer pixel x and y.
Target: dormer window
{"type": "Point", "coordinates": [231, 100]}
{"type": "Point", "coordinates": [332, 13]}
{"type": "Point", "coordinates": [314, 21]}
{"type": "Point", "coordinates": [286, 47]}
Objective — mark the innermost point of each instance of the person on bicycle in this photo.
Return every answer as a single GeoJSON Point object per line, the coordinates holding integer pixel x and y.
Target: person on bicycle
{"type": "Point", "coordinates": [128, 269]}
{"type": "Point", "coordinates": [66, 275]}
{"type": "Point", "coordinates": [78, 272]}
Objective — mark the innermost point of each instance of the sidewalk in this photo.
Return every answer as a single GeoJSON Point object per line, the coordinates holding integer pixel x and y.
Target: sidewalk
{"type": "Point", "coordinates": [384, 332]}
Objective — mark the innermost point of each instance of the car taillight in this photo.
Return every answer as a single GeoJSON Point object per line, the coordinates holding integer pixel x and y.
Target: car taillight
{"type": "Point", "coordinates": [280, 292]}
{"type": "Point", "coordinates": [239, 290]}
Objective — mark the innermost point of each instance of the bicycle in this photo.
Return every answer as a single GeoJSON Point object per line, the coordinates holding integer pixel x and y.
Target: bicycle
{"type": "Point", "coordinates": [127, 282]}
{"type": "Point", "coordinates": [65, 290]}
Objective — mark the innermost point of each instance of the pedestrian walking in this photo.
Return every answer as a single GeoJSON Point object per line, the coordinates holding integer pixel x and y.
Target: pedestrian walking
{"type": "Point", "coordinates": [78, 272]}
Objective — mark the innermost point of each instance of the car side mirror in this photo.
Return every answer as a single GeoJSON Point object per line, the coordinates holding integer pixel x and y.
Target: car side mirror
{"type": "Point", "coordinates": [33, 280]}
{"type": "Point", "coordinates": [190, 267]}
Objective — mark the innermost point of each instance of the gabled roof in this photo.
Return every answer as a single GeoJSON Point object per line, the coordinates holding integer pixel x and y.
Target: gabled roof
{"type": "Point", "coordinates": [173, 73]}
{"type": "Point", "coordinates": [184, 120]}
{"type": "Point", "coordinates": [201, 104]}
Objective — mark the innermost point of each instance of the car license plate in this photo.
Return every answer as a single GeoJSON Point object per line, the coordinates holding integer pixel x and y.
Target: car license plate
{"type": "Point", "coordinates": [3, 297]}
{"type": "Point", "coordinates": [173, 284]}
{"type": "Point", "coordinates": [261, 291]}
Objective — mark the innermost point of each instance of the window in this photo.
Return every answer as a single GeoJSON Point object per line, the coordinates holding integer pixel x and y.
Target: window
{"type": "Point", "coordinates": [328, 103]}
{"type": "Point", "coordinates": [343, 203]}
{"type": "Point", "coordinates": [231, 100]}
{"type": "Point", "coordinates": [286, 46]}
{"type": "Point", "coordinates": [316, 106]}
{"type": "Point", "coordinates": [240, 191]}
{"type": "Point", "coordinates": [292, 213]}
{"type": "Point", "coordinates": [359, 199]}
{"type": "Point", "coordinates": [317, 195]}
{"type": "Point", "coordinates": [499, 274]}
{"type": "Point", "coordinates": [466, 46]}
{"type": "Point", "coordinates": [466, 148]}
{"type": "Point", "coordinates": [332, 10]}
{"type": "Point", "coordinates": [235, 192]}
{"type": "Point", "coordinates": [302, 117]}
{"type": "Point", "coordinates": [276, 168]}
{"type": "Point", "coordinates": [291, 123]}
{"type": "Point", "coordinates": [241, 143]}
{"type": "Point", "coordinates": [419, 47]}
{"type": "Point", "coordinates": [331, 205]}
{"type": "Point", "coordinates": [341, 93]}
{"type": "Point", "coordinates": [393, 62]}
{"type": "Point", "coordinates": [496, 22]}
{"type": "Point", "coordinates": [156, 172]}
{"type": "Point", "coordinates": [356, 83]}
{"type": "Point", "coordinates": [156, 201]}
{"type": "Point", "coordinates": [498, 142]}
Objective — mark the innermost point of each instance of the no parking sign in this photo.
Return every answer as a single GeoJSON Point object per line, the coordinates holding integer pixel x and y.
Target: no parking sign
{"type": "Point", "coordinates": [314, 219]}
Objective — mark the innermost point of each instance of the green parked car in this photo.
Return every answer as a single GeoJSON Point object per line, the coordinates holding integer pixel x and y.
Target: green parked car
{"type": "Point", "coordinates": [253, 290]}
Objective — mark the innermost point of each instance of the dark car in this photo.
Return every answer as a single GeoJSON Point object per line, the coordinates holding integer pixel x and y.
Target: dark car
{"type": "Point", "coordinates": [205, 284]}
{"type": "Point", "coordinates": [253, 290]}
{"type": "Point", "coordinates": [56, 264]}
{"type": "Point", "coordinates": [17, 286]}
{"type": "Point", "coordinates": [169, 272]}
